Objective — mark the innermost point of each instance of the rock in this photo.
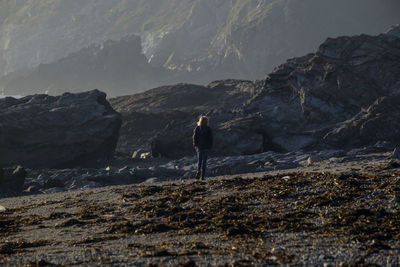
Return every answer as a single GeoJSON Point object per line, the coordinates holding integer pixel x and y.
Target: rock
{"type": "Point", "coordinates": [395, 154]}
{"type": "Point", "coordinates": [345, 95]}
{"type": "Point", "coordinates": [18, 179]}
{"type": "Point", "coordinates": [394, 30]}
{"type": "Point", "coordinates": [138, 153]}
{"type": "Point", "coordinates": [68, 130]}
{"type": "Point", "coordinates": [2, 209]}
{"type": "Point", "coordinates": [13, 180]}
{"type": "Point", "coordinates": [313, 159]}
{"type": "Point", "coordinates": [383, 145]}
{"type": "Point", "coordinates": [145, 155]}
{"type": "Point", "coordinates": [149, 120]}
{"type": "Point", "coordinates": [32, 189]}
{"type": "Point", "coordinates": [152, 180]}
{"type": "Point", "coordinates": [277, 250]}
{"type": "Point", "coordinates": [369, 126]}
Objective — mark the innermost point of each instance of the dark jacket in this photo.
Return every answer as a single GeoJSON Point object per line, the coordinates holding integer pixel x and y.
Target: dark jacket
{"type": "Point", "coordinates": [202, 137]}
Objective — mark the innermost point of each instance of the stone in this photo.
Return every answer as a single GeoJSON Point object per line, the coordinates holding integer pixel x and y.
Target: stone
{"type": "Point", "coordinates": [62, 131]}
{"type": "Point", "coordinates": [152, 180]}
{"type": "Point", "coordinates": [136, 154]}
{"type": "Point", "coordinates": [313, 159]}
{"type": "Point", "coordinates": [145, 155]}
{"type": "Point", "coordinates": [2, 209]}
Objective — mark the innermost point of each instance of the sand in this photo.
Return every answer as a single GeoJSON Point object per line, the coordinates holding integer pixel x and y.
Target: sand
{"type": "Point", "coordinates": [333, 215]}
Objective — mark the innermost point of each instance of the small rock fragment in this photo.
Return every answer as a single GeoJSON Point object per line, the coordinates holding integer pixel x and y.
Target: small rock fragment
{"type": "Point", "coordinates": [145, 155]}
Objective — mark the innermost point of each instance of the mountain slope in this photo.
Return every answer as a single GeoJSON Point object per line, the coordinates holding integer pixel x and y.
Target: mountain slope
{"type": "Point", "coordinates": [117, 67]}
{"type": "Point", "coordinates": [213, 39]}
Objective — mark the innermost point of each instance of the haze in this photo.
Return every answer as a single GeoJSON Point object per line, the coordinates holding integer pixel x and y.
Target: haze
{"type": "Point", "coordinates": [56, 46]}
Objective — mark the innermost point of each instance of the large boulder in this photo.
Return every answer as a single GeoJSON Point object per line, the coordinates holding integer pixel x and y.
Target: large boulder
{"type": "Point", "coordinates": [57, 131]}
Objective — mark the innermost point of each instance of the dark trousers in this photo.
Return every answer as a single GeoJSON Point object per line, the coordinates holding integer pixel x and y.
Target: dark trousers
{"type": "Point", "coordinates": [202, 162]}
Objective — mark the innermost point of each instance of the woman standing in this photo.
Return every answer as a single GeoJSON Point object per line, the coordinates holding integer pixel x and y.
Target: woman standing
{"type": "Point", "coordinates": [202, 142]}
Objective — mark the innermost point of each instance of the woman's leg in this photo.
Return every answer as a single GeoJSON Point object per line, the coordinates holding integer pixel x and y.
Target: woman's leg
{"type": "Point", "coordinates": [204, 163]}
{"type": "Point", "coordinates": [199, 162]}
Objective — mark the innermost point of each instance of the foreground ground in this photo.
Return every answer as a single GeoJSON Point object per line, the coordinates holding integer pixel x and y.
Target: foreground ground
{"type": "Point", "coordinates": [294, 218]}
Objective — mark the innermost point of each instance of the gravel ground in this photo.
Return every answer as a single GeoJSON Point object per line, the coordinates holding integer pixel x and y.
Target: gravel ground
{"type": "Point", "coordinates": [320, 215]}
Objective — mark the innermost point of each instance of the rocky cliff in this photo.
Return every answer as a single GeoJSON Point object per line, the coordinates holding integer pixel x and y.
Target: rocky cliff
{"type": "Point", "coordinates": [46, 131]}
{"type": "Point", "coordinates": [211, 39]}
{"type": "Point", "coordinates": [330, 98]}
{"type": "Point", "coordinates": [116, 67]}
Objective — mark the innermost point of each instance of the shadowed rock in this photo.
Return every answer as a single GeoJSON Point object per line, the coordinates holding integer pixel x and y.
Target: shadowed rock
{"type": "Point", "coordinates": [381, 121]}
{"type": "Point", "coordinates": [12, 180]}
{"type": "Point", "coordinates": [48, 131]}
{"type": "Point", "coordinates": [328, 99]}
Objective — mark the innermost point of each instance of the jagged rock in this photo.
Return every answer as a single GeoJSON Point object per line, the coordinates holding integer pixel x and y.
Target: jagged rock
{"type": "Point", "coordinates": [317, 101]}
{"type": "Point", "coordinates": [381, 121]}
{"type": "Point", "coordinates": [303, 99]}
{"type": "Point", "coordinates": [49, 131]}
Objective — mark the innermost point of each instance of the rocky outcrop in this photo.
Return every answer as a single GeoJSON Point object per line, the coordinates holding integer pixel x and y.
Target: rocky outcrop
{"type": "Point", "coordinates": [331, 98]}
{"type": "Point", "coordinates": [162, 119]}
{"type": "Point", "coordinates": [305, 98]}
{"type": "Point", "coordinates": [381, 121]}
{"type": "Point", "coordinates": [48, 131]}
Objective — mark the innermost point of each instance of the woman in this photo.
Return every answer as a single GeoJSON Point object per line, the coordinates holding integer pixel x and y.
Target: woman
{"type": "Point", "coordinates": [202, 142]}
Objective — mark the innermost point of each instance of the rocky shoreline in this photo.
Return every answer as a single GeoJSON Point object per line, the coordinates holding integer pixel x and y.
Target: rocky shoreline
{"type": "Point", "coordinates": [339, 214]}
{"type": "Point", "coordinates": [124, 170]}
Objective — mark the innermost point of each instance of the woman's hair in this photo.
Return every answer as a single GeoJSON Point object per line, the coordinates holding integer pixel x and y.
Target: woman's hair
{"type": "Point", "coordinates": [203, 121]}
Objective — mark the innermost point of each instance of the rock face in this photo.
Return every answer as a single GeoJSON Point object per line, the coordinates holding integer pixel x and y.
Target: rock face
{"type": "Point", "coordinates": [48, 131]}
{"type": "Point", "coordinates": [306, 98]}
{"type": "Point", "coordinates": [200, 40]}
{"type": "Point", "coordinates": [343, 96]}
{"type": "Point", "coordinates": [163, 119]}
{"type": "Point", "coordinates": [381, 121]}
